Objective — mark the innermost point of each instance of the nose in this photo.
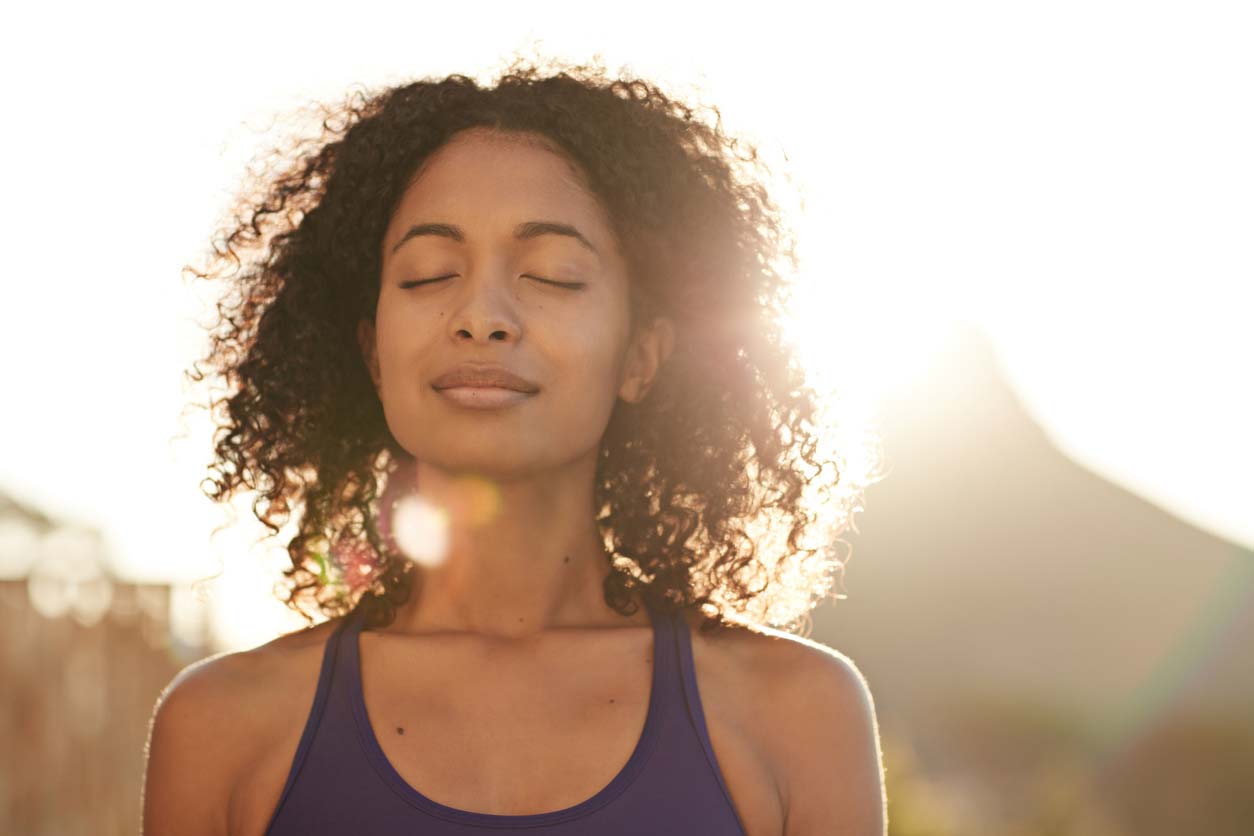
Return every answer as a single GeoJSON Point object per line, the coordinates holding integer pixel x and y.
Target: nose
{"type": "Point", "coordinates": [485, 312]}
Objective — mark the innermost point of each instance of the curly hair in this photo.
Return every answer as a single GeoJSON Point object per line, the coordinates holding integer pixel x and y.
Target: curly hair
{"type": "Point", "coordinates": [692, 483]}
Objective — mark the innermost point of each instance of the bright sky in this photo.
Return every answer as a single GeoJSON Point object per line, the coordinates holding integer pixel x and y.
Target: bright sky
{"type": "Point", "coordinates": [1073, 176]}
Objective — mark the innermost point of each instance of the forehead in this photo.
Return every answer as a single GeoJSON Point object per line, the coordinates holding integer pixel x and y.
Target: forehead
{"type": "Point", "coordinates": [491, 180]}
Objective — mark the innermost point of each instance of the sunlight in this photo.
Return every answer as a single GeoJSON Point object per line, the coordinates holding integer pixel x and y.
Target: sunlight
{"type": "Point", "coordinates": [868, 305]}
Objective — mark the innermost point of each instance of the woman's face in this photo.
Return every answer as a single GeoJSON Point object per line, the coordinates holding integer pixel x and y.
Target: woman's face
{"type": "Point", "coordinates": [494, 302]}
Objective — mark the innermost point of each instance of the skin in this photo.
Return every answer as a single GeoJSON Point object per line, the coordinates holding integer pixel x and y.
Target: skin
{"type": "Point", "coordinates": [536, 561]}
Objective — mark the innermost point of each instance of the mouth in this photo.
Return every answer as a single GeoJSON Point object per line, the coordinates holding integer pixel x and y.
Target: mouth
{"type": "Point", "coordinates": [483, 376]}
{"type": "Point", "coordinates": [483, 397]}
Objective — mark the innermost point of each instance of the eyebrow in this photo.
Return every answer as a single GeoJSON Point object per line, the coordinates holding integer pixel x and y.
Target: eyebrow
{"type": "Point", "coordinates": [524, 231]}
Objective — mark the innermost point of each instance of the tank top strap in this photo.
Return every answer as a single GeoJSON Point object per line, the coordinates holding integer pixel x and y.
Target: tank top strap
{"type": "Point", "coordinates": [692, 699]}
{"type": "Point", "coordinates": [323, 697]}
{"type": "Point", "coordinates": [347, 676]}
{"type": "Point", "coordinates": [666, 681]}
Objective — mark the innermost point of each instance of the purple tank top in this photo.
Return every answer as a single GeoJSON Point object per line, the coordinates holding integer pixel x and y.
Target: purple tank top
{"type": "Point", "coordinates": [342, 783]}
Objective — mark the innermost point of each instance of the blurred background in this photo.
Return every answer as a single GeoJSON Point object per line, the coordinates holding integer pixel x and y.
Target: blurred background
{"type": "Point", "coordinates": [1026, 239]}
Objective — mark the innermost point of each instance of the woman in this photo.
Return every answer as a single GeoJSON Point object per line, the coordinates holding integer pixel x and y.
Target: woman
{"type": "Point", "coordinates": [541, 311]}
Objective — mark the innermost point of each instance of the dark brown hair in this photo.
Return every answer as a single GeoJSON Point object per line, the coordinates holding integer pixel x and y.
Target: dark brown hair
{"type": "Point", "coordinates": [722, 448]}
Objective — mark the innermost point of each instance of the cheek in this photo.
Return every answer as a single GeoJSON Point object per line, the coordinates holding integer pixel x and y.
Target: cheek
{"type": "Point", "coordinates": [402, 336]}
{"type": "Point", "coordinates": [594, 346]}
{"type": "Point", "coordinates": [594, 370]}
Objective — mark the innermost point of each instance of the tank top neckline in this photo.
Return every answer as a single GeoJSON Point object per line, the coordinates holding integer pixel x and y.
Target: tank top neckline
{"type": "Point", "coordinates": [662, 683]}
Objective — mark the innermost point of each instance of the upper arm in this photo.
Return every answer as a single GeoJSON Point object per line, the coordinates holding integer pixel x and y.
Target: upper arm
{"type": "Point", "coordinates": [189, 753]}
{"type": "Point", "coordinates": [832, 763]}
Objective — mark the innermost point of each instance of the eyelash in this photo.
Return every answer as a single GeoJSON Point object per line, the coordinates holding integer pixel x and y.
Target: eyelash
{"type": "Point", "coordinates": [569, 285]}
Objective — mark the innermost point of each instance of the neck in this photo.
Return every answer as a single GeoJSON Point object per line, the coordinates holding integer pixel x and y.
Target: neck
{"type": "Point", "coordinates": [520, 556]}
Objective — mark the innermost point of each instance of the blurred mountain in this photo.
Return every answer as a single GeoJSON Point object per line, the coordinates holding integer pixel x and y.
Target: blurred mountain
{"type": "Point", "coordinates": [992, 571]}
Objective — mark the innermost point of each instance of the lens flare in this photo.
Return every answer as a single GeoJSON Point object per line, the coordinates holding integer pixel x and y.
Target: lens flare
{"type": "Point", "coordinates": [479, 500]}
{"type": "Point", "coordinates": [420, 530]}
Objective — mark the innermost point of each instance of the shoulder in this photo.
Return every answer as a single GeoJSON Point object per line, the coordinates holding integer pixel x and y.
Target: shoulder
{"type": "Point", "coordinates": [212, 720]}
{"type": "Point", "coordinates": [785, 661]}
{"type": "Point", "coordinates": [211, 687]}
{"type": "Point", "coordinates": [819, 730]}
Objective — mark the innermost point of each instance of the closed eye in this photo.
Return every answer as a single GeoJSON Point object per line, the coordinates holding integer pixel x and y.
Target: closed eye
{"type": "Point", "coordinates": [569, 285]}
{"type": "Point", "coordinates": [416, 282]}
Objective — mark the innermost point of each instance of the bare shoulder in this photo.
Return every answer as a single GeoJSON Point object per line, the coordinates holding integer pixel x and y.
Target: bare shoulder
{"type": "Point", "coordinates": [779, 658]}
{"type": "Point", "coordinates": [820, 734]}
{"type": "Point", "coordinates": [214, 686]}
{"type": "Point", "coordinates": [214, 720]}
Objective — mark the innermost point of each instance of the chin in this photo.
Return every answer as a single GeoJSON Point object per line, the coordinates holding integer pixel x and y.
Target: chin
{"type": "Point", "coordinates": [494, 459]}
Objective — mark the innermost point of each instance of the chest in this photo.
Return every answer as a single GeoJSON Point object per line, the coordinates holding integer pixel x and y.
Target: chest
{"type": "Point", "coordinates": [525, 734]}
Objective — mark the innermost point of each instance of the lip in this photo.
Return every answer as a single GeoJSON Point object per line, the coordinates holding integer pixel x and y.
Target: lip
{"type": "Point", "coordinates": [483, 376]}
{"type": "Point", "coordinates": [483, 397]}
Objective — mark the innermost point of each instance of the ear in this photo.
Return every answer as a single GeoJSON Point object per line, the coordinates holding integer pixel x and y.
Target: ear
{"type": "Point", "coordinates": [645, 356]}
{"type": "Point", "coordinates": [369, 353]}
